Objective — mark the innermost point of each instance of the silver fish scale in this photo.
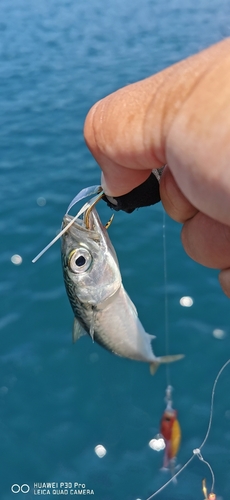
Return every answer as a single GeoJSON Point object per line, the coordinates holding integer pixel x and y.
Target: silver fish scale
{"type": "Point", "coordinates": [81, 311]}
{"type": "Point", "coordinates": [87, 315]}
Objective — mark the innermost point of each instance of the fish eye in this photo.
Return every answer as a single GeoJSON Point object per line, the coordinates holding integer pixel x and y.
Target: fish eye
{"type": "Point", "coordinates": [79, 260]}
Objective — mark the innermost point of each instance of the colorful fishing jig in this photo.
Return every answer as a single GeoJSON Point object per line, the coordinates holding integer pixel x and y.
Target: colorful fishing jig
{"type": "Point", "coordinates": [207, 496]}
{"type": "Point", "coordinates": [171, 432]}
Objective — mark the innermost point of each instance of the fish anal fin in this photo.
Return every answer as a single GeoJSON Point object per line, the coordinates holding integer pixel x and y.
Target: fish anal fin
{"type": "Point", "coordinates": [78, 331]}
{"type": "Point", "coordinates": [153, 367]}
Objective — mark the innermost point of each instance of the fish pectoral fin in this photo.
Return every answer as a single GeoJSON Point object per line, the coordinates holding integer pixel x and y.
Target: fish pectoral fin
{"type": "Point", "coordinates": [164, 359]}
{"type": "Point", "coordinates": [78, 331]}
{"type": "Point", "coordinates": [91, 330]}
{"type": "Point", "coordinates": [131, 304]}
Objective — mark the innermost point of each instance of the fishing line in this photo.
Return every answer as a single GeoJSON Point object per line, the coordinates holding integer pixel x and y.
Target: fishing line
{"type": "Point", "coordinates": [169, 425]}
{"type": "Point", "coordinates": [82, 194]}
{"type": "Point", "coordinates": [196, 451]}
{"type": "Point", "coordinates": [166, 299]}
{"type": "Point", "coordinates": [83, 209]}
{"type": "Point", "coordinates": [212, 402]}
{"type": "Point", "coordinates": [171, 479]}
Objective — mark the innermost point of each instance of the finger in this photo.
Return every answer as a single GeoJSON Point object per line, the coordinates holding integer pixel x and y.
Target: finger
{"type": "Point", "coordinates": [224, 279]}
{"type": "Point", "coordinates": [175, 203]}
{"type": "Point", "coordinates": [198, 146]}
{"type": "Point", "coordinates": [114, 134]}
{"type": "Point", "coordinates": [207, 241]}
{"type": "Point", "coordinates": [140, 127]}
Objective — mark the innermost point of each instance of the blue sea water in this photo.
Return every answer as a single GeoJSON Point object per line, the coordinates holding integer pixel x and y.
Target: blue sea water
{"type": "Point", "coordinates": [59, 400]}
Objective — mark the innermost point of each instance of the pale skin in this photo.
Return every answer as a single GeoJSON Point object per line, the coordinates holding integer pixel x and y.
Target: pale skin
{"type": "Point", "coordinates": [179, 117]}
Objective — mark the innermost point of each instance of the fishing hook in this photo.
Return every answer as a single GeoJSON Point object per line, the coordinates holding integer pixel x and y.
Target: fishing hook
{"type": "Point", "coordinates": [87, 213]}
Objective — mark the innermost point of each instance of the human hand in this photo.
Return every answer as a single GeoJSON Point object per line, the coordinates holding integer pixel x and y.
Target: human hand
{"type": "Point", "coordinates": [180, 116]}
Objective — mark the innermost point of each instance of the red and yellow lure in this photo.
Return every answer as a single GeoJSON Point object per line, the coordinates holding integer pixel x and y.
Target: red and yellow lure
{"type": "Point", "coordinates": [207, 496]}
{"type": "Point", "coordinates": [171, 432]}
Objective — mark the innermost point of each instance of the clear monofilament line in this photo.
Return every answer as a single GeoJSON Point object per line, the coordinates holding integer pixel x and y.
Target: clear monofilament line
{"type": "Point", "coordinates": [166, 314]}
{"type": "Point", "coordinates": [196, 451]}
{"type": "Point", "coordinates": [171, 479]}
{"type": "Point", "coordinates": [212, 402]}
{"type": "Point", "coordinates": [80, 196]}
{"type": "Point", "coordinates": [83, 209]}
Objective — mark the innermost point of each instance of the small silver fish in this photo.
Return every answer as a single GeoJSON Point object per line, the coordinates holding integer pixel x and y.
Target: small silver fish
{"type": "Point", "coordinates": [101, 306]}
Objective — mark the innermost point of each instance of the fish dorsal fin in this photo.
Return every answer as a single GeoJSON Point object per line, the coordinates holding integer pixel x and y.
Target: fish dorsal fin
{"type": "Point", "coordinates": [78, 331]}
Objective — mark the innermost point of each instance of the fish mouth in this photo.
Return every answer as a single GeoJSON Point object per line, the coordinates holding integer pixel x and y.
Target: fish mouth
{"type": "Point", "coordinates": [67, 219]}
{"type": "Point", "coordinates": [79, 225]}
{"type": "Point", "coordinates": [89, 214]}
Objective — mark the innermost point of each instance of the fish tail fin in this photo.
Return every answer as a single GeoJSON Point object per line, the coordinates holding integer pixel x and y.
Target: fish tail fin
{"type": "Point", "coordinates": [164, 359]}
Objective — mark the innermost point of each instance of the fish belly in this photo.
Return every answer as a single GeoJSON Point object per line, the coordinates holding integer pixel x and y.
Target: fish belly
{"type": "Point", "coordinates": [118, 329]}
